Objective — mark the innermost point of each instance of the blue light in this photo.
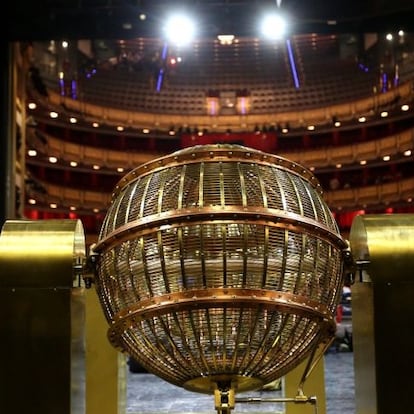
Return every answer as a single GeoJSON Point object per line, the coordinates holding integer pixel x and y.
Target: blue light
{"type": "Point", "coordinates": [159, 80]}
{"type": "Point", "coordinates": [164, 51]}
{"type": "Point", "coordinates": [292, 64]}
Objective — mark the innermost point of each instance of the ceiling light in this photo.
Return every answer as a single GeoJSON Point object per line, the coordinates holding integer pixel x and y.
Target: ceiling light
{"type": "Point", "coordinates": [53, 114]}
{"type": "Point", "coordinates": [405, 107]}
{"type": "Point", "coordinates": [180, 29]}
{"type": "Point", "coordinates": [53, 160]}
{"type": "Point", "coordinates": [386, 158]}
{"type": "Point", "coordinates": [95, 124]}
{"type": "Point", "coordinates": [73, 164]}
{"type": "Point", "coordinates": [407, 153]}
{"type": "Point", "coordinates": [73, 120]}
{"type": "Point", "coordinates": [362, 119]}
{"type": "Point", "coordinates": [32, 153]}
{"type": "Point", "coordinates": [273, 26]}
{"type": "Point", "coordinates": [384, 114]}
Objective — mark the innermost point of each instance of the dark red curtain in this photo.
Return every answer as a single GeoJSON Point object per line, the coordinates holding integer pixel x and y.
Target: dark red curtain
{"type": "Point", "coordinates": [264, 141]}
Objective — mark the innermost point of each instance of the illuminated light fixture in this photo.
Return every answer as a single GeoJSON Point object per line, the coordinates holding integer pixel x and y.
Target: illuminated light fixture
{"type": "Point", "coordinates": [363, 162]}
{"type": "Point", "coordinates": [405, 107]}
{"type": "Point", "coordinates": [95, 124]}
{"type": "Point", "coordinates": [400, 33]}
{"type": "Point", "coordinates": [312, 168]}
{"type": "Point", "coordinates": [384, 114]}
{"type": "Point", "coordinates": [142, 17]}
{"type": "Point", "coordinates": [53, 114]}
{"type": "Point", "coordinates": [389, 36]}
{"type": "Point", "coordinates": [120, 169]}
{"type": "Point", "coordinates": [273, 26]}
{"type": "Point", "coordinates": [73, 120]}
{"type": "Point", "coordinates": [171, 132]}
{"type": "Point", "coordinates": [61, 75]}
{"type": "Point", "coordinates": [407, 153]}
{"type": "Point", "coordinates": [73, 164]}
{"type": "Point", "coordinates": [338, 165]}
{"type": "Point", "coordinates": [96, 210]}
{"type": "Point", "coordinates": [225, 39]}
{"type": "Point", "coordinates": [32, 105]}
{"type": "Point", "coordinates": [72, 208]}
{"type": "Point", "coordinates": [119, 128]}
{"type": "Point", "coordinates": [180, 29]}
{"type": "Point", "coordinates": [53, 205]}
{"type": "Point", "coordinates": [311, 127]}
{"type": "Point", "coordinates": [31, 201]}
{"type": "Point", "coordinates": [362, 119]}
{"type": "Point", "coordinates": [53, 160]}
{"type": "Point", "coordinates": [146, 131]}
{"type": "Point", "coordinates": [336, 122]}
{"type": "Point", "coordinates": [409, 199]}
{"type": "Point", "coordinates": [32, 153]}
{"type": "Point", "coordinates": [96, 167]}
{"type": "Point", "coordinates": [386, 158]}
{"type": "Point", "coordinates": [65, 44]}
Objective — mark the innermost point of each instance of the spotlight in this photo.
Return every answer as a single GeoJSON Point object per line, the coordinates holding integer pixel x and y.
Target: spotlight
{"type": "Point", "coordinates": [179, 29]}
{"type": "Point", "coordinates": [273, 26]}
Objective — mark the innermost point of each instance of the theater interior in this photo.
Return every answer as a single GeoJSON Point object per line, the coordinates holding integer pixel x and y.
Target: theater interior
{"type": "Point", "coordinates": [93, 93]}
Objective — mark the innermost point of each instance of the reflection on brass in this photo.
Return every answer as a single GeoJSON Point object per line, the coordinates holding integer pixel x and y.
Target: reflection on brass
{"type": "Point", "coordinates": [384, 244]}
{"type": "Point", "coordinates": [40, 253]}
{"type": "Point", "coordinates": [219, 267]}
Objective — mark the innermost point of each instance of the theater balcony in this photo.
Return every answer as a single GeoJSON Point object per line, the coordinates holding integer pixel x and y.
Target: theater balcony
{"type": "Point", "coordinates": [98, 109]}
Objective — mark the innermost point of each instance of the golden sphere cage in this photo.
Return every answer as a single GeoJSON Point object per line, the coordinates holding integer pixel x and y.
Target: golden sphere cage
{"type": "Point", "coordinates": [220, 266]}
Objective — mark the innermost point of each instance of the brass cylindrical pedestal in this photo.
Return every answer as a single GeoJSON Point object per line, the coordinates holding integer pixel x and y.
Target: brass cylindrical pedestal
{"type": "Point", "coordinates": [42, 317]}
{"type": "Point", "coordinates": [382, 247]}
